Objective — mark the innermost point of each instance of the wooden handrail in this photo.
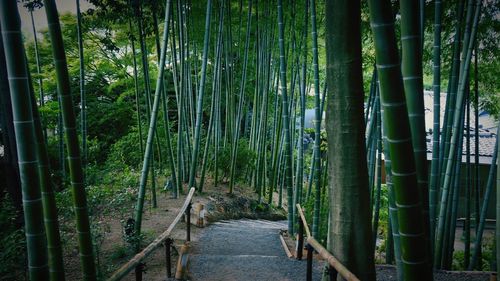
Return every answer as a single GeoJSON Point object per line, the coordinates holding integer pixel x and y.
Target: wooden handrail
{"type": "Point", "coordinates": [341, 269]}
{"type": "Point", "coordinates": [136, 260]}
{"type": "Point", "coordinates": [332, 261]}
{"type": "Point", "coordinates": [303, 218]}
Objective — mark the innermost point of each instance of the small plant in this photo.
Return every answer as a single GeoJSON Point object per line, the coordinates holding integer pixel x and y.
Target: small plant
{"type": "Point", "coordinates": [458, 260]}
{"type": "Point", "coordinates": [119, 252]}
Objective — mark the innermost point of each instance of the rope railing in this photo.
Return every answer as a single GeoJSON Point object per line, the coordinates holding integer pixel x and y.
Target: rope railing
{"type": "Point", "coordinates": [135, 262]}
{"type": "Point", "coordinates": [336, 267]}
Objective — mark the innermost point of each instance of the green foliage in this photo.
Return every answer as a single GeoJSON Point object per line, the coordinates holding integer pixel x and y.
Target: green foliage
{"type": "Point", "coordinates": [119, 252]}
{"type": "Point", "coordinates": [458, 260]}
{"type": "Point", "coordinates": [383, 223]}
{"type": "Point", "coordinates": [108, 122]}
{"type": "Point", "coordinates": [12, 242]}
{"type": "Point", "coordinates": [487, 256]}
{"type": "Point", "coordinates": [245, 159]}
{"type": "Point", "coordinates": [384, 211]}
{"type": "Point", "coordinates": [308, 207]}
{"type": "Point", "coordinates": [125, 152]}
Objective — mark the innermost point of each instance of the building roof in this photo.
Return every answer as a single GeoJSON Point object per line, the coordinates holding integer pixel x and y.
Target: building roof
{"type": "Point", "coordinates": [487, 131]}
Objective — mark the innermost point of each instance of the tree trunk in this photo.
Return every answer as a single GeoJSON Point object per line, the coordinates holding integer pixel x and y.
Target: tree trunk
{"type": "Point", "coordinates": [15, 58]}
{"type": "Point", "coordinates": [350, 237]}
{"type": "Point", "coordinates": [72, 146]}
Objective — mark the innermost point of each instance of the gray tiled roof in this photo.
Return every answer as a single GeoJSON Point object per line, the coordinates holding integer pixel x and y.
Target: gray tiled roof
{"type": "Point", "coordinates": [487, 131]}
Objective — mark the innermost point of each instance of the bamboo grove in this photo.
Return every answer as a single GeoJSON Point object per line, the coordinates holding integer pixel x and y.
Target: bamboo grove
{"type": "Point", "coordinates": [219, 93]}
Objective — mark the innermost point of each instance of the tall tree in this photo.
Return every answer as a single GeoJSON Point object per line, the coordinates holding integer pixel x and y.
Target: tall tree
{"type": "Point", "coordinates": [404, 175]}
{"type": "Point", "coordinates": [31, 6]}
{"type": "Point", "coordinates": [8, 163]}
{"type": "Point", "coordinates": [411, 69]}
{"type": "Point", "coordinates": [72, 146]}
{"type": "Point", "coordinates": [484, 208]}
{"type": "Point", "coordinates": [199, 104]}
{"type": "Point", "coordinates": [350, 238]}
{"type": "Point", "coordinates": [317, 125]}
{"type": "Point", "coordinates": [17, 72]}
{"type": "Point", "coordinates": [469, 43]}
{"type": "Point", "coordinates": [436, 87]}
{"type": "Point", "coordinates": [54, 245]}
{"type": "Point", "coordinates": [83, 100]}
{"type": "Point", "coordinates": [241, 101]}
{"type": "Point", "coordinates": [288, 183]}
{"type": "Point", "coordinates": [152, 129]}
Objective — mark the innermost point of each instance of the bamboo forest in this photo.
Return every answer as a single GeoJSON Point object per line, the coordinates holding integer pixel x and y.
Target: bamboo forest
{"type": "Point", "coordinates": [232, 140]}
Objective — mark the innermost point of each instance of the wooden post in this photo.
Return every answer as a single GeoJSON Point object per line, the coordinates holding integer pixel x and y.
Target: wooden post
{"type": "Point", "coordinates": [168, 257]}
{"type": "Point", "coordinates": [188, 222]}
{"type": "Point", "coordinates": [182, 263]}
{"type": "Point", "coordinates": [332, 261]}
{"type": "Point", "coordinates": [332, 272]}
{"type": "Point", "coordinates": [300, 240]}
{"type": "Point", "coordinates": [138, 272]}
{"type": "Point", "coordinates": [309, 262]}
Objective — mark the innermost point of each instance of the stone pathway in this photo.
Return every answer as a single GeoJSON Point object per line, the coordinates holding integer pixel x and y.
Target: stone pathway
{"type": "Point", "coordinates": [245, 250]}
{"type": "Point", "coordinates": [241, 250]}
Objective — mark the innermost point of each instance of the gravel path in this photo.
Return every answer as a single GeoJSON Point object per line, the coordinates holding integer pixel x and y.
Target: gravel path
{"type": "Point", "coordinates": [241, 250]}
{"type": "Point", "coordinates": [245, 250]}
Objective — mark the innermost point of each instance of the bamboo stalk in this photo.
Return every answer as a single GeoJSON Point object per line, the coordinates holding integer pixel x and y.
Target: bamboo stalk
{"type": "Point", "coordinates": [411, 69]}
{"type": "Point", "coordinates": [41, 93]}
{"type": "Point", "coordinates": [152, 127]}
{"type": "Point", "coordinates": [73, 148]}
{"type": "Point", "coordinates": [54, 245]}
{"type": "Point", "coordinates": [241, 102]}
{"type": "Point", "coordinates": [393, 210]}
{"type": "Point", "coordinates": [411, 224]}
{"type": "Point", "coordinates": [464, 70]}
{"type": "Point", "coordinates": [317, 126]}
{"type": "Point", "coordinates": [484, 208]}
{"type": "Point", "coordinates": [83, 99]}
{"type": "Point", "coordinates": [199, 104]}
{"type": "Point", "coordinates": [288, 183]}
{"type": "Point", "coordinates": [468, 190]}
{"type": "Point", "coordinates": [17, 72]}
{"type": "Point", "coordinates": [436, 86]}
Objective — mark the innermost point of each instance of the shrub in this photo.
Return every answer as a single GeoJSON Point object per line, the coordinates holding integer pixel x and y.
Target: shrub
{"type": "Point", "coordinates": [245, 159]}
